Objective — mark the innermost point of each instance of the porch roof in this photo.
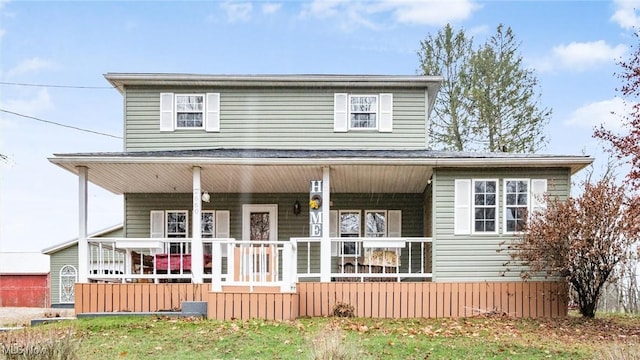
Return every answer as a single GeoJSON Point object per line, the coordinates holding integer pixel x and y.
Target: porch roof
{"type": "Point", "coordinates": [288, 171]}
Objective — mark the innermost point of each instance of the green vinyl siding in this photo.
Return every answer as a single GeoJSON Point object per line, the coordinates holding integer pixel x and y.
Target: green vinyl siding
{"type": "Point", "coordinates": [475, 257]}
{"type": "Point", "coordinates": [294, 118]}
{"type": "Point", "coordinates": [68, 256]}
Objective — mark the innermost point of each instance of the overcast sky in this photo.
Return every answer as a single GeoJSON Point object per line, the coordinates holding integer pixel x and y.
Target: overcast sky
{"type": "Point", "coordinates": [573, 47]}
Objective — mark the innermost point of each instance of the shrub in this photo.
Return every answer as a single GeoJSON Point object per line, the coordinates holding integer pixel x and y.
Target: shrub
{"type": "Point", "coordinates": [341, 309]}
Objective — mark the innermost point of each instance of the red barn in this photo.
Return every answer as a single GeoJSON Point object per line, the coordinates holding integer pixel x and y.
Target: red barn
{"type": "Point", "coordinates": [24, 279]}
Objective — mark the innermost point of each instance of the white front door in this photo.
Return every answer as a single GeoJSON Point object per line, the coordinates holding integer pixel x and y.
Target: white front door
{"type": "Point", "coordinates": [255, 263]}
{"type": "Point", "coordinates": [260, 222]}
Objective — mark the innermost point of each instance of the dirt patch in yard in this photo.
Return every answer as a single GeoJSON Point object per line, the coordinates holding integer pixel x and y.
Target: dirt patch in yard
{"type": "Point", "coordinates": [22, 316]}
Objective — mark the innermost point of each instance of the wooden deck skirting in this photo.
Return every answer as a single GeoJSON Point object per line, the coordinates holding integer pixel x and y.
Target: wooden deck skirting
{"type": "Point", "coordinates": [372, 299]}
{"type": "Point", "coordinates": [138, 297]}
{"type": "Point", "coordinates": [429, 300]}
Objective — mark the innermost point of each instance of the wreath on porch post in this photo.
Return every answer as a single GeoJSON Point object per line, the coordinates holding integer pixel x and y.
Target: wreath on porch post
{"type": "Point", "coordinates": [315, 202]}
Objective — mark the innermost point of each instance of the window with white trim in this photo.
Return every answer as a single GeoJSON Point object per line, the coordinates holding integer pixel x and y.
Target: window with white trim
{"type": "Point", "coordinates": [174, 224]}
{"type": "Point", "coordinates": [516, 204]}
{"type": "Point", "coordinates": [189, 110]}
{"type": "Point", "coordinates": [363, 112]}
{"type": "Point", "coordinates": [522, 197]}
{"type": "Point", "coordinates": [177, 227]}
{"type": "Point", "coordinates": [208, 225]}
{"type": "Point", "coordinates": [375, 223]}
{"type": "Point", "coordinates": [476, 205]}
{"type": "Point", "coordinates": [349, 226]}
{"type": "Point", "coordinates": [485, 206]}
{"type": "Point", "coordinates": [68, 278]}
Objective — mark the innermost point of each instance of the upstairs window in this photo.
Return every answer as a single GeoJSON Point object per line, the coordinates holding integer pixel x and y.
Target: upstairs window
{"type": "Point", "coordinates": [189, 111]}
{"type": "Point", "coordinates": [363, 112]}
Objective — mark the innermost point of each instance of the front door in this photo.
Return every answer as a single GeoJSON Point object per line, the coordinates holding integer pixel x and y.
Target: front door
{"type": "Point", "coordinates": [256, 262]}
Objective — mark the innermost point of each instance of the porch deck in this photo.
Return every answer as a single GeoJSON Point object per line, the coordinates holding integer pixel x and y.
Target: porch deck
{"type": "Point", "coordinates": [281, 280]}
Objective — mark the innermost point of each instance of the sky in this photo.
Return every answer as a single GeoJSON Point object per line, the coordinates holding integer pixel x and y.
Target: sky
{"type": "Point", "coordinates": [572, 47]}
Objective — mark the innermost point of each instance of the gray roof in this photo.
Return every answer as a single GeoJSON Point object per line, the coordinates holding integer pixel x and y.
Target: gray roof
{"type": "Point", "coordinates": [318, 154]}
{"type": "Point", "coordinates": [120, 80]}
{"type": "Point", "coordinates": [61, 246]}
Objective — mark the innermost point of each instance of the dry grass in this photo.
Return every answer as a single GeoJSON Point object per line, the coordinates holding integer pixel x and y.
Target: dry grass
{"type": "Point", "coordinates": [330, 344]}
{"type": "Point", "coordinates": [619, 352]}
{"type": "Point", "coordinates": [40, 344]}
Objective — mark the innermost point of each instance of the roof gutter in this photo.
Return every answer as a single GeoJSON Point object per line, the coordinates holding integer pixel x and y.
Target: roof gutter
{"type": "Point", "coordinates": [576, 163]}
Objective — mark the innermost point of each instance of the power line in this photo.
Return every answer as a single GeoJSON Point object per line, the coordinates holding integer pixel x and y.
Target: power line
{"type": "Point", "coordinates": [59, 124]}
{"type": "Point", "coordinates": [56, 86]}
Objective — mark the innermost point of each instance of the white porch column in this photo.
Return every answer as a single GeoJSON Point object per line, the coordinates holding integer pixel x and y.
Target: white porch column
{"type": "Point", "coordinates": [197, 261]}
{"type": "Point", "coordinates": [325, 244]}
{"type": "Point", "coordinates": [83, 246]}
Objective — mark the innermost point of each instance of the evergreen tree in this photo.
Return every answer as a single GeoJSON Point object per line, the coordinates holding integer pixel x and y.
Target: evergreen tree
{"type": "Point", "coordinates": [488, 100]}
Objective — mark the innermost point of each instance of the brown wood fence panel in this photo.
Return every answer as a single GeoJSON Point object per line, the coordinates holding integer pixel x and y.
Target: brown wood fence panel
{"type": "Point", "coordinates": [249, 305]}
{"type": "Point", "coordinates": [374, 300]}
{"type": "Point", "coordinates": [136, 297]}
{"type": "Point", "coordinates": [408, 300]}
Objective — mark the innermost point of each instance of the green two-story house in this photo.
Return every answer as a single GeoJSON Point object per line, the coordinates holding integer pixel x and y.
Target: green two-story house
{"type": "Point", "coordinates": [309, 190]}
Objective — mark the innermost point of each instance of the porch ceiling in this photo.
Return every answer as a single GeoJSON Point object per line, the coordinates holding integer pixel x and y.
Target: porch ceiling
{"type": "Point", "coordinates": [289, 171]}
{"type": "Point", "coordinates": [122, 178]}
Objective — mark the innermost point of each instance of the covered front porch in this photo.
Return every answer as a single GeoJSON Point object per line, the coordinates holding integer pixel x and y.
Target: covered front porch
{"type": "Point", "coordinates": [243, 217]}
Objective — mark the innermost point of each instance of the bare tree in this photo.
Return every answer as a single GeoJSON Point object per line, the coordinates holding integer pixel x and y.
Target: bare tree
{"type": "Point", "coordinates": [627, 146]}
{"type": "Point", "coordinates": [582, 240]}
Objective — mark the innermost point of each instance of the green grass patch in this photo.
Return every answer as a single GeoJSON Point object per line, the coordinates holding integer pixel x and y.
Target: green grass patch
{"type": "Point", "coordinates": [355, 338]}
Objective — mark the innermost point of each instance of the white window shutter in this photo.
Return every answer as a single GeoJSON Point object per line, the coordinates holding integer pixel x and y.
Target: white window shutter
{"type": "Point", "coordinates": [333, 231]}
{"type": "Point", "coordinates": [394, 224]}
{"type": "Point", "coordinates": [222, 227]}
{"type": "Point", "coordinates": [386, 113]}
{"type": "Point", "coordinates": [212, 122]}
{"type": "Point", "coordinates": [462, 203]}
{"type": "Point", "coordinates": [538, 189]}
{"type": "Point", "coordinates": [340, 112]}
{"type": "Point", "coordinates": [166, 112]}
{"type": "Point", "coordinates": [157, 224]}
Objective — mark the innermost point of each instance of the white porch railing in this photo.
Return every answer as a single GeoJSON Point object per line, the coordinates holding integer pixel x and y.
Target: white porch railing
{"type": "Point", "coordinates": [367, 259]}
{"type": "Point", "coordinates": [140, 259]}
{"type": "Point", "coordinates": [226, 261]}
{"type": "Point", "coordinates": [258, 263]}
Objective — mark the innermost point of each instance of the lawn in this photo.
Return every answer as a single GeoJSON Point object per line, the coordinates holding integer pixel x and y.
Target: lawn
{"type": "Point", "coordinates": [471, 338]}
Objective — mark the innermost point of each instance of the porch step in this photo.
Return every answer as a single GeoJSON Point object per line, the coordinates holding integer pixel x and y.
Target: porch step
{"type": "Point", "coordinates": [248, 289]}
